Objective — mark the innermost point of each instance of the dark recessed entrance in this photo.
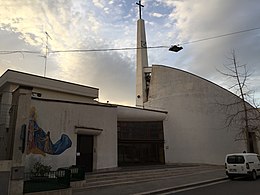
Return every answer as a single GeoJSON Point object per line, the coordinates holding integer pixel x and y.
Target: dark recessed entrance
{"type": "Point", "coordinates": [140, 143]}
{"type": "Point", "coordinates": [85, 152]}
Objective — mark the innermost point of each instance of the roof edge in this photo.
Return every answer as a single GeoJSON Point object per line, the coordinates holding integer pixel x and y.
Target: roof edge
{"type": "Point", "coordinates": [22, 78]}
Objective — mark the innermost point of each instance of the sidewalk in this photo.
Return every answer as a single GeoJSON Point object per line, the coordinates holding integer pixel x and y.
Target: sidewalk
{"type": "Point", "coordinates": [191, 176]}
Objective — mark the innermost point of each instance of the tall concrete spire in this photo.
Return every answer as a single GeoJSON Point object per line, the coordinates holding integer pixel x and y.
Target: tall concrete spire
{"type": "Point", "coordinates": [141, 61]}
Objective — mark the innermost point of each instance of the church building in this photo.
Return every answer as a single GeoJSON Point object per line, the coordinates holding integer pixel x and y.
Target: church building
{"type": "Point", "coordinates": [177, 119]}
{"type": "Point", "coordinates": [63, 125]}
{"type": "Point", "coordinates": [195, 130]}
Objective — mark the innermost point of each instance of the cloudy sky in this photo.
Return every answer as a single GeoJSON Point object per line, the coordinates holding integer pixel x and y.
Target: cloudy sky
{"type": "Point", "coordinates": [98, 24]}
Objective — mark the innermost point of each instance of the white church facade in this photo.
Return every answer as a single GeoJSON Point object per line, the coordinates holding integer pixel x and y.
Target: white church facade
{"type": "Point", "coordinates": [195, 130]}
{"type": "Point", "coordinates": [196, 126]}
{"type": "Point", "coordinates": [66, 126]}
{"type": "Point", "coordinates": [181, 122]}
{"type": "Point", "coordinates": [177, 119]}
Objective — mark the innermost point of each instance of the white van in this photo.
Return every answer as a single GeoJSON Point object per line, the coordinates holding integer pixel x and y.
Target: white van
{"type": "Point", "coordinates": [242, 164]}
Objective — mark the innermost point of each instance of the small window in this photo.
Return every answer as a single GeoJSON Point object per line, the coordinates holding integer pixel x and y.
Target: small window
{"type": "Point", "coordinates": [235, 159]}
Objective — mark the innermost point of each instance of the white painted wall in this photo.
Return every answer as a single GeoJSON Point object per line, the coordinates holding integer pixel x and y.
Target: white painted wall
{"type": "Point", "coordinates": [195, 125]}
{"type": "Point", "coordinates": [46, 87]}
{"type": "Point", "coordinates": [61, 118]}
{"type": "Point", "coordinates": [126, 113]}
{"type": "Point", "coordinates": [141, 63]}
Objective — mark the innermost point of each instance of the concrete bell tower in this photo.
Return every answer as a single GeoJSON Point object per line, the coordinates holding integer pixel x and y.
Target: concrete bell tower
{"type": "Point", "coordinates": [141, 61]}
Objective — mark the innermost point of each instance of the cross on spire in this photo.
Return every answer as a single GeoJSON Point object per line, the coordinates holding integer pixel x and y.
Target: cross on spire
{"type": "Point", "coordinates": [140, 8]}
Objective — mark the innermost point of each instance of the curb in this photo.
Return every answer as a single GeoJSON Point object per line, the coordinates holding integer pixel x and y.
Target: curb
{"type": "Point", "coordinates": [181, 187]}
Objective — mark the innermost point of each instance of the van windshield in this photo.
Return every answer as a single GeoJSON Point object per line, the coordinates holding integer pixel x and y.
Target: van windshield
{"type": "Point", "coordinates": [235, 159]}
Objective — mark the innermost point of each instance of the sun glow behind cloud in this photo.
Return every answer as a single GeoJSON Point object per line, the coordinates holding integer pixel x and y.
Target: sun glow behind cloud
{"type": "Point", "coordinates": [72, 25]}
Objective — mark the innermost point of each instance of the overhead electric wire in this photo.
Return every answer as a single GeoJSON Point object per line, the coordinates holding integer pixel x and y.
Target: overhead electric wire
{"type": "Point", "coordinates": [126, 48]}
{"type": "Point", "coordinates": [107, 49]}
{"type": "Point", "coordinates": [219, 36]}
{"type": "Point", "coordinates": [19, 51]}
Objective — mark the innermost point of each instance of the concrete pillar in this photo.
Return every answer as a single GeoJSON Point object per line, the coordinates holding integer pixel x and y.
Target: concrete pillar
{"type": "Point", "coordinates": [20, 112]}
{"type": "Point", "coordinates": [6, 100]}
{"type": "Point", "coordinates": [5, 170]}
{"type": "Point", "coordinates": [141, 63]}
{"type": "Point", "coordinates": [5, 105]}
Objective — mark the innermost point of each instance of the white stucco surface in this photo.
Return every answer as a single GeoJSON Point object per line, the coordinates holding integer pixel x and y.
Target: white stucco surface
{"type": "Point", "coordinates": [42, 87]}
{"type": "Point", "coordinates": [62, 118]}
{"type": "Point", "coordinates": [195, 129]}
{"type": "Point", "coordinates": [126, 113]}
{"type": "Point", "coordinates": [141, 63]}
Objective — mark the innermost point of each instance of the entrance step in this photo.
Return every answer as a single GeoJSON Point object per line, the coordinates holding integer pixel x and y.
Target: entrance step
{"type": "Point", "coordinates": [141, 174]}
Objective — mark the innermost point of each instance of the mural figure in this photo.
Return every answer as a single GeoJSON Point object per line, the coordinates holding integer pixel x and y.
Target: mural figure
{"type": "Point", "coordinates": [47, 143]}
{"type": "Point", "coordinates": [39, 142]}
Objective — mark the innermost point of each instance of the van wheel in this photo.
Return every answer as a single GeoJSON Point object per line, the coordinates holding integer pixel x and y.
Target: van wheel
{"type": "Point", "coordinates": [253, 175]}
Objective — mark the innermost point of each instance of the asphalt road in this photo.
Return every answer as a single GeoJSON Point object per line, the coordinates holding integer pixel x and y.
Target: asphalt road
{"type": "Point", "coordinates": [236, 187]}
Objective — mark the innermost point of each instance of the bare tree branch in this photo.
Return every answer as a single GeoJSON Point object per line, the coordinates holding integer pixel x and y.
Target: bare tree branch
{"type": "Point", "coordinates": [240, 112]}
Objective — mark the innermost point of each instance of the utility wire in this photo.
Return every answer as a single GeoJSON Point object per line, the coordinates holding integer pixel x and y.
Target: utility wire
{"type": "Point", "coordinates": [107, 49]}
{"type": "Point", "coordinates": [126, 48]}
{"type": "Point", "coordinates": [19, 51]}
{"type": "Point", "coordinates": [219, 36]}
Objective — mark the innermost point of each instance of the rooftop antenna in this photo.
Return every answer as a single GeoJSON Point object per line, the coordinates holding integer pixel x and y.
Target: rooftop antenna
{"type": "Point", "coordinates": [46, 51]}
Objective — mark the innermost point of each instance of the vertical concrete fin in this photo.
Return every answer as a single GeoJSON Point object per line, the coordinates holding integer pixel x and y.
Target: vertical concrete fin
{"type": "Point", "coordinates": [141, 63]}
{"type": "Point", "coordinates": [21, 103]}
